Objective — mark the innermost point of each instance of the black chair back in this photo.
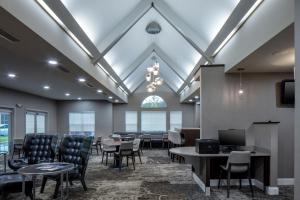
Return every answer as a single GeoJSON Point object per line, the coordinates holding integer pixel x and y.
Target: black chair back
{"type": "Point", "coordinates": [75, 149]}
{"type": "Point", "coordinates": [39, 148]}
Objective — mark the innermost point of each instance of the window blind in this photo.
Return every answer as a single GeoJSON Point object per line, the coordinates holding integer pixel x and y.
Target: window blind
{"type": "Point", "coordinates": [82, 123]}
{"type": "Point", "coordinates": [175, 120]}
{"type": "Point", "coordinates": [131, 121]}
{"type": "Point", "coordinates": [153, 121]}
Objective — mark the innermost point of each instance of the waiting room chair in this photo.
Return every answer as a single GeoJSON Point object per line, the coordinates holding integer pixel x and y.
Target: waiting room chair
{"type": "Point", "coordinates": [37, 148]}
{"type": "Point", "coordinates": [147, 139]}
{"type": "Point", "coordinates": [125, 150]}
{"type": "Point", "coordinates": [96, 145]}
{"type": "Point", "coordinates": [238, 163]}
{"type": "Point", "coordinates": [106, 150]}
{"type": "Point", "coordinates": [73, 149]}
{"type": "Point", "coordinates": [137, 148]}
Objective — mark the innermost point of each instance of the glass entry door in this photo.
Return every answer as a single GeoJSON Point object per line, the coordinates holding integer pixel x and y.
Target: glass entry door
{"type": "Point", "coordinates": [5, 129]}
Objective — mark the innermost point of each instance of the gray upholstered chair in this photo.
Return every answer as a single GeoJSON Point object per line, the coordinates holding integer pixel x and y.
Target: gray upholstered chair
{"type": "Point", "coordinates": [238, 163]}
{"type": "Point", "coordinates": [106, 149]}
{"type": "Point", "coordinates": [125, 150]}
{"type": "Point", "coordinates": [137, 148]}
{"type": "Point", "coordinates": [147, 139]}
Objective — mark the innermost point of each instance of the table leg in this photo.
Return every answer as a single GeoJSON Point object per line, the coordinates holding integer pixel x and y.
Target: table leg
{"type": "Point", "coordinates": [67, 184]}
{"type": "Point", "coordinates": [23, 187]}
{"type": "Point", "coordinates": [62, 185]}
{"type": "Point", "coordinates": [4, 163]}
{"type": "Point", "coordinates": [33, 186]}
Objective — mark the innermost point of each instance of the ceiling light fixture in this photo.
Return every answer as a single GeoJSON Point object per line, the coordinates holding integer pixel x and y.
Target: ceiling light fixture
{"type": "Point", "coordinates": [117, 101]}
{"type": "Point", "coordinates": [67, 94]}
{"type": "Point", "coordinates": [11, 75]}
{"type": "Point", "coordinates": [63, 26]}
{"type": "Point", "coordinates": [191, 100]}
{"type": "Point", "coordinates": [110, 97]}
{"type": "Point", "coordinates": [100, 91]}
{"type": "Point", "coordinates": [241, 91]}
{"type": "Point", "coordinates": [238, 26]}
{"type": "Point", "coordinates": [152, 77]}
{"type": "Point", "coordinates": [79, 98]}
{"type": "Point", "coordinates": [196, 97]}
{"type": "Point", "coordinates": [46, 87]}
{"type": "Point", "coordinates": [52, 62]}
{"type": "Point", "coordinates": [81, 80]}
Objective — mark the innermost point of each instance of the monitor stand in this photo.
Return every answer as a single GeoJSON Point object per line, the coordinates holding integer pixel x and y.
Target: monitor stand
{"type": "Point", "coordinates": [230, 148]}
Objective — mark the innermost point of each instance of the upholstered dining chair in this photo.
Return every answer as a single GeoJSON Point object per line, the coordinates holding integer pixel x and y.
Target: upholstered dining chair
{"type": "Point", "coordinates": [238, 163]}
{"type": "Point", "coordinates": [96, 145]}
{"type": "Point", "coordinates": [106, 150]}
{"type": "Point", "coordinates": [137, 148]}
{"type": "Point", "coordinates": [125, 150]}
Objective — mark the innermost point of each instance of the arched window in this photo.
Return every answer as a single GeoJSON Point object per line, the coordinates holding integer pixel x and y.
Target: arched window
{"type": "Point", "coordinates": [154, 101]}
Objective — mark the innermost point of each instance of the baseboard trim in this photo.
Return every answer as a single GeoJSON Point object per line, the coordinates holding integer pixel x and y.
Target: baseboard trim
{"type": "Point", "coordinates": [285, 181]}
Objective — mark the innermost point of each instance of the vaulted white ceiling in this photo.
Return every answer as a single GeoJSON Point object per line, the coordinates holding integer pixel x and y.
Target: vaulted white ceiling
{"type": "Point", "coordinates": [131, 54]}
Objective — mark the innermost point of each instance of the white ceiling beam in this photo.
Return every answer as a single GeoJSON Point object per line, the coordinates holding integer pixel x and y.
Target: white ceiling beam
{"type": "Point", "coordinates": [234, 19]}
{"type": "Point", "coordinates": [172, 65]}
{"type": "Point", "coordinates": [137, 62]}
{"type": "Point", "coordinates": [122, 28]}
{"type": "Point", "coordinates": [139, 83]}
{"type": "Point", "coordinates": [182, 28]}
{"type": "Point", "coordinates": [70, 23]}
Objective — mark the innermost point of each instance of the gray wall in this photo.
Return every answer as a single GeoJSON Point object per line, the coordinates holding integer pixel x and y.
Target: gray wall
{"type": "Point", "coordinates": [297, 111]}
{"type": "Point", "coordinates": [134, 104]}
{"type": "Point", "coordinates": [222, 108]}
{"type": "Point", "coordinates": [103, 115]}
{"type": "Point", "coordinates": [9, 98]}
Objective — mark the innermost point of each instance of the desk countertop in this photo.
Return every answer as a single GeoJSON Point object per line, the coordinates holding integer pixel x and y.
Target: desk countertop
{"type": "Point", "coordinates": [191, 151]}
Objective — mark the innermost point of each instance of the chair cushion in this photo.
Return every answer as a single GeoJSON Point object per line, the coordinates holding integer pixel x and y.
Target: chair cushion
{"type": "Point", "coordinates": [235, 169]}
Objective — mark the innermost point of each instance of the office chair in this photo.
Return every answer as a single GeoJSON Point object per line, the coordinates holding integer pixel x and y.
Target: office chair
{"type": "Point", "coordinates": [238, 163]}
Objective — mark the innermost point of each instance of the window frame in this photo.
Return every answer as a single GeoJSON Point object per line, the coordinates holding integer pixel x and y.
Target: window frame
{"type": "Point", "coordinates": [82, 124]}
{"type": "Point", "coordinates": [36, 113]}
{"type": "Point", "coordinates": [136, 123]}
{"type": "Point", "coordinates": [153, 111]}
{"type": "Point", "coordinates": [170, 119]}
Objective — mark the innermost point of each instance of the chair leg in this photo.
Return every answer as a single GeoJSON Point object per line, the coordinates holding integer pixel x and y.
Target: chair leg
{"type": "Point", "coordinates": [220, 176]}
{"type": "Point", "coordinates": [127, 160]}
{"type": "Point", "coordinates": [56, 189]}
{"type": "Point", "coordinates": [102, 156]}
{"type": "Point", "coordinates": [133, 162]}
{"type": "Point", "coordinates": [106, 158]}
{"type": "Point", "coordinates": [240, 180]}
{"type": "Point", "coordinates": [71, 182]}
{"type": "Point", "coordinates": [228, 183]}
{"type": "Point", "coordinates": [140, 157]}
{"type": "Point", "coordinates": [97, 150]}
{"type": "Point", "coordinates": [43, 184]}
{"type": "Point", "coordinates": [150, 144]}
{"type": "Point", "coordinates": [120, 162]}
{"type": "Point", "coordinates": [83, 184]}
{"type": "Point", "coordinates": [251, 187]}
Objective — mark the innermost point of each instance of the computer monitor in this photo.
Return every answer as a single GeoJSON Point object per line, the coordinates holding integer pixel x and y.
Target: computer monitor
{"type": "Point", "coordinates": [232, 137]}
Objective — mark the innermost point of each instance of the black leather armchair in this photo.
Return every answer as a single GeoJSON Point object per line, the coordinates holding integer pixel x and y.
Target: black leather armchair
{"type": "Point", "coordinates": [73, 149]}
{"type": "Point", "coordinates": [37, 148]}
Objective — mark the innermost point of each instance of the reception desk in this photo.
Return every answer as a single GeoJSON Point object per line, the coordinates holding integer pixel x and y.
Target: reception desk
{"type": "Point", "coordinates": [205, 167]}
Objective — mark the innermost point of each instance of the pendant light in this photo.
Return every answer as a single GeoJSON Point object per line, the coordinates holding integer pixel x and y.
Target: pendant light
{"type": "Point", "coordinates": [241, 90]}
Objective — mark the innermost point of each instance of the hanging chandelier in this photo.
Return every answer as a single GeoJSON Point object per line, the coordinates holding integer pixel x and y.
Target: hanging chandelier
{"type": "Point", "coordinates": [153, 78]}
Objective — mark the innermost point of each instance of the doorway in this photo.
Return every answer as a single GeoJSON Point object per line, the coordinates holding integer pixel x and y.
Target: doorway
{"type": "Point", "coordinates": [5, 129]}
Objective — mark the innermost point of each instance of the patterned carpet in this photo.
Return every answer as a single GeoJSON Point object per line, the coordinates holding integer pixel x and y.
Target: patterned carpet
{"type": "Point", "coordinates": [155, 179]}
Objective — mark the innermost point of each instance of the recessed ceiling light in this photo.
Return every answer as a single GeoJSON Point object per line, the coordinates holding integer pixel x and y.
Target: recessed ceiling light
{"type": "Point", "coordinates": [110, 97]}
{"type": "Point", "coordinates": [67, 94]}
{"type": "Point", "coordinates": [99, 91]}
{"type": "Point", "coordinates": [196, 97]}
{"type": "Point", "coordinates": [46, 87]}
{"type": "Point", "coordinates": [117, 101]}
{"type": "Point", "coordinates": [191, 100]}
{"type": "Point", "coordinates": [52, 62]}
{"type": "Point", "coordinates": [79, 98]}
{"type": "Point", "coordinates": [81, 80]}
{"type": "Point", "coordinates": [11, 75]}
